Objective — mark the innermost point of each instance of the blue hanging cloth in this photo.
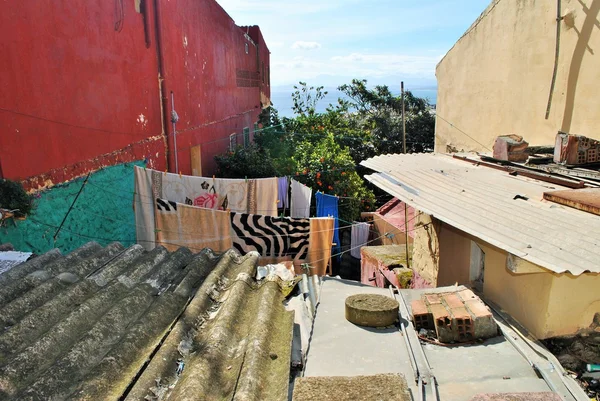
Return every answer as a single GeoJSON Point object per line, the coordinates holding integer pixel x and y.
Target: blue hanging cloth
{"type": "Point", "coordinates": [327, 206]}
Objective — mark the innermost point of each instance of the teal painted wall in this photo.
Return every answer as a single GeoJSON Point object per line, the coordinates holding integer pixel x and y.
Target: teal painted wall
{"type": "Point", "coordinates": [103, 213]}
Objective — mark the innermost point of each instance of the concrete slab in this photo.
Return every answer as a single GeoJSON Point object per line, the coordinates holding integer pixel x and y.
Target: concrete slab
{"type": "Point", "coordinates": [339, 348]}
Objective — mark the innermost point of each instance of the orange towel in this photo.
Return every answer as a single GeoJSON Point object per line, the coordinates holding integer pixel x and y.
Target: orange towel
{"type": "Point", "coordinates": [192, 227]}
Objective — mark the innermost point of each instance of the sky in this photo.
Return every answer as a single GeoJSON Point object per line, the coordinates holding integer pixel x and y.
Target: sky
{"type": "Point", "coordinates": [329, 42]}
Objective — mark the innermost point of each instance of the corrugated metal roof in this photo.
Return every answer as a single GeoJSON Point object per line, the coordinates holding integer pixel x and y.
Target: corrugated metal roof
{"type": "Point", "coordinates": [113, 323]}
{"type": "Point", "coordinates": [483, 202]}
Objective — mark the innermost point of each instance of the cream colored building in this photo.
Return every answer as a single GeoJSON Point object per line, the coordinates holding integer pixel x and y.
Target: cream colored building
{"type": "Point", "coordinates": [485, 228]}
{"type": "Point", "coordinates": [497, 78]}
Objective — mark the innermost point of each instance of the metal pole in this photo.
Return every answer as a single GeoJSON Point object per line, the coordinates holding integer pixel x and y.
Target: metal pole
{"type": "Point", "coordinates": [174, 119]}
{"type": "Point", "coordinates": [404, 151]}
{"type": "Point", "coordinates": [403, 120]}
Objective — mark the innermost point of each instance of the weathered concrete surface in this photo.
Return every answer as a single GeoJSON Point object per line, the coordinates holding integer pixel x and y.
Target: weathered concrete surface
{"type": "Point", "coordinates": [371, 310]}
{"type": "Point", "coordinates": [517, 397]}
{"type": "Point", "coordinates": [342, 388]}
{"type": "Point", "coordinates": [119, 330]}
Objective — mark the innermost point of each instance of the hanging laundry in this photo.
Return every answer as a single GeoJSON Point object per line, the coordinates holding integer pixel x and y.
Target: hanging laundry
{"type": "Point", "coordinates": [300, 203]}
{"type": "Point", "coordinates": [319, 245]}
{"type": "Point", "coordinates": [359, 238]}
{"type": "Point", "coordinates": [270, 236]}
{"type": "Point", "coordinates": [301, 240]}
{"type": "Point", "coordinates": [196, 228]}
{"type": "Point", "coordinates": [265, 197]}
{"type": "Point", "coordinates": [143, 202]}
{"type": "Point", "coordinates": [283, 186]}
{"type": "Point", "coordinates": [210, 193]}
{"type": "Point", "coordinates": [327, 206]}
{"type": "Point", "coordinates": [233, 194]}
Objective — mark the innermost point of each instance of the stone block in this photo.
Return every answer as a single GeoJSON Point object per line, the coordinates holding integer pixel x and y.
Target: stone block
{"type": "Point", "coordinates": [422, 318]}
{"type": "Point", "coordinates": [443, 323]}
{"type": "Point", "coordinates": [453, 301]}
{"type": "Point", "coordinates": [463, 324]}
{"type": "Point", "coordinates": [433, 299]}
{"type": "Point", "coordinates": [510, 147]}
{"type": "Point", "coordinates": [466, 295]}
{"type": "Point", "coordinates": [576, 149]}
{"type": "Point", "coordinates": [371, 310]}
{"type": "Point", "coordinates": [484, 323]}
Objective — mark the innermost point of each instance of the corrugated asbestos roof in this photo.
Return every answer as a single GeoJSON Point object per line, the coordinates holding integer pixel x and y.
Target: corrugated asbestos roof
{"type": "Point", "coordinates": [483, 202]}
{"type": "Point", "coordinates": [113, 323]}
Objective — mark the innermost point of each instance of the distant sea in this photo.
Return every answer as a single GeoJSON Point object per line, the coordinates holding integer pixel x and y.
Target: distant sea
{"type": "Point", "coordinates": [282, 99]}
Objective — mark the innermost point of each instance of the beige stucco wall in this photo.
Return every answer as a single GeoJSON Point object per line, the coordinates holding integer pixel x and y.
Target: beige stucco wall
{"type": "Point", "coordinates": [455, 257]}
{"type": "Point", "coordinates": [426, 247]}
{"type": "Point", "coordinates": [573, 303]}
{"type": "Point", "coordinates": [496, 79]}
{"type": "Point", "coordinates": [547, 304]}
{"type": "Point", "coordinates": [525, 296]}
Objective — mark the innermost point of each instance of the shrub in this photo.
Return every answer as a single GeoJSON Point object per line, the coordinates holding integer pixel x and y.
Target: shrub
{"type": "Point", "coordinates": [14, 197]}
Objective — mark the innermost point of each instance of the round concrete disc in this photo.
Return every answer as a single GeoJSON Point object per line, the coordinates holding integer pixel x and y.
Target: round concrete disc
{"type": "Point", "coordinates": [371, 310]}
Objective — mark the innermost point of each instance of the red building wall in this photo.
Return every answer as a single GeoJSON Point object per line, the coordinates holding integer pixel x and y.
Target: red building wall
{"type": "Point", "coordinates": [80, 85]}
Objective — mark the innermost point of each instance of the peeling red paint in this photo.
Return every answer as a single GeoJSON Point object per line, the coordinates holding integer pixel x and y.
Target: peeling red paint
{"type": "Point", "coordinates": [80, 89]}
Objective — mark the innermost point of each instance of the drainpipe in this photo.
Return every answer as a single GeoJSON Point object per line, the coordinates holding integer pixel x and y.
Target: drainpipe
{"type": "Point", "coordinates": [161, 84]}
{"type": "Point", "coordinates": [174, 120]}
{"type": "Point", "coordinates": [556, 54]}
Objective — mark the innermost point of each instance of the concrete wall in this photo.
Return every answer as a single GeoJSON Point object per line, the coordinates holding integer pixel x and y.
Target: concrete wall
{"type": "Point", "coordinates": [525, 296]}
{"type": "Point", "coordinates": [80, 85]}
{"type": "Point", "coordinates": [455, 257]}
{"type": "Point", "coordinates": [545, 303]}
{"type": "Point", "coordinates": [216, 84]}
{"type": "Point", "coordinates": [103, 213]}
{"type": "Point", "coordinates": [497, 77]}
{"type": "Point", "coordinates": [573, 303]}
{"type": "Point", "coordinates": [79, 89]}
{"type": "Point", "coordinates": [426, 248]}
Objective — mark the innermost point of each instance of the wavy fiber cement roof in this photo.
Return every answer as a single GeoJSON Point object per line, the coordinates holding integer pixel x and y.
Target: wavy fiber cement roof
{"type": "Point", "coordinates": [481, 201]}
{"type": "Point", "coordinates": [112, 323]}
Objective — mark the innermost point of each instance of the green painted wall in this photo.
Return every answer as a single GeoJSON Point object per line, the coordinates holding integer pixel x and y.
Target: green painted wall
{"type": "Point", "coordinates": [103, 213]}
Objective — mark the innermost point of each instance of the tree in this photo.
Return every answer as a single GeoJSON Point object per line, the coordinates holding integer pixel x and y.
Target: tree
{"type": "Point", "coordinates": [328, 167]}
{"type": "Point", "coordinates": [379, 111]}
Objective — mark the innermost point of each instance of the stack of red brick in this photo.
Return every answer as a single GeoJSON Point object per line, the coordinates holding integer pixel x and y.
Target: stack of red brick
{"type": "Point", "coordinates": [455, 316]}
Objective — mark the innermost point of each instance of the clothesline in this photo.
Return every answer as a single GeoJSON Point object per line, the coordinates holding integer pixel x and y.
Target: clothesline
{"type": "Point", "coordinates": [66, 229]}
{"type": "Point", "coordinates": [152, 203]}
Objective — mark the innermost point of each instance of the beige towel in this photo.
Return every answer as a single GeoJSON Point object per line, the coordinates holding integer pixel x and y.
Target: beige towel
{"type": "Point", "coordinates": [265, 197]}
{"type": "Point", "coordinates": [144, 208]}
{"type": "Point", "coordinates": [192, 227]}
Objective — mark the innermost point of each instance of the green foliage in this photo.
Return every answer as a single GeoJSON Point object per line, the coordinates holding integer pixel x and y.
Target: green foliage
{"type": "Point", "coordinates": [253, 161]}
{"type": "Point", "coordinates": [378, 111]}
{"type": "Point", "coordinates": [305, 99]}
{"type": "Point", "coordinates": [328, 167]}
{"type": "Point", "coordinates": [14, 197]}
{"type": "Point", "coordinates": [323, 150]}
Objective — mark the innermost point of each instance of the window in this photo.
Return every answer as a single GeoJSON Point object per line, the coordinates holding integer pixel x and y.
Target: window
{"type": "Point", "coordinates": [263, 72]}
{"type": "Point", "coordinates": [232, 142]}
{"type": "Point", "coordinates": [246, 137]}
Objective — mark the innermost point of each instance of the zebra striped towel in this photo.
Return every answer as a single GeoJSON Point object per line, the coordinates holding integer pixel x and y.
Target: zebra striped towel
{"type": "Point", "coordinates": [303, 240]}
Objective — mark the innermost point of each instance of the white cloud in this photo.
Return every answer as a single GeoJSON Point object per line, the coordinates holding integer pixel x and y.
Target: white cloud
{"type": "Point", "coordinates": [306, 45]}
